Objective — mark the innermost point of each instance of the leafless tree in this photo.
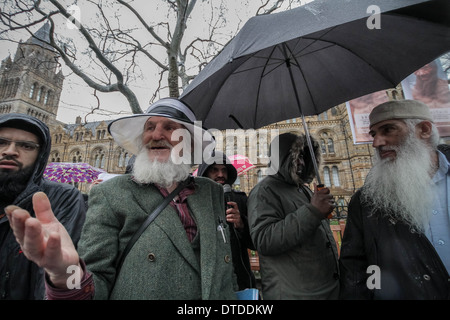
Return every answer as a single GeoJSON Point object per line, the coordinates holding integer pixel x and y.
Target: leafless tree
{"type": "Point", "coordinates": [114, 35]}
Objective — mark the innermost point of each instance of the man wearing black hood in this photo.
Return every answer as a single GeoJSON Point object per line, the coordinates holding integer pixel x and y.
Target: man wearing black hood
{"type": "Point", "coordinates": [24, 151]}
{"type": "Point", "coordinates": [222, 171]}
{"type": "Point", "coordinates": [289, 226]}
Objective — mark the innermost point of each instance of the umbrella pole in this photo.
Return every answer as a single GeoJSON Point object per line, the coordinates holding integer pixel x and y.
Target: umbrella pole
{"type": "Point", "coordinates": [305, 126]}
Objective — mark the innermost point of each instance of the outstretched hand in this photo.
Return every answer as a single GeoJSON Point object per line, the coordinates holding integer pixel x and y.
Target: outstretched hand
{"type": "Point", "coordinates": [323, 200]}
{"type": "Point", "coordinates": [43, 239]}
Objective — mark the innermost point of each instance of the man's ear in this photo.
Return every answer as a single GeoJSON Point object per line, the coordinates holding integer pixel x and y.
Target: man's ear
{"type": "Point", "coordinates": [424, 129]}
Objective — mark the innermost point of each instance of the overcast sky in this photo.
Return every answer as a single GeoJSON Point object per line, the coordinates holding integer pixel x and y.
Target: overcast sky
{"type": "Point", "coordinates": [77, 98]}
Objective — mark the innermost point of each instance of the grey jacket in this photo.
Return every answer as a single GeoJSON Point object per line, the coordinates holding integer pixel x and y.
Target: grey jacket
{"type": "Point", "coordinates": [298, 254]}
{"type": "Point", "coordinates": [163, 263]}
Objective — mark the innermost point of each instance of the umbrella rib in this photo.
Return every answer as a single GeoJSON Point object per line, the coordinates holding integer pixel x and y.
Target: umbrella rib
{"type": "Point", "coordinates": [278, 62]}
{"type": "Point", "coordinates": [259, 84]}
{"type": "Point", "coordinates": [332, 43]}
{"type": "Point", "coordinates": [297, 64]}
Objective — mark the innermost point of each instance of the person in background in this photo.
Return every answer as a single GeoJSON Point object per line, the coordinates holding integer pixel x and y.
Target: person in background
{"type": "Point", "coordinates": [223, 172]}
{"type": "Point", "coordinates": [289, 226]}
{"type": "Point", "coordinates": [25, 147]}
{"type": "Point", "coordinates": [397, 236]}
{"type": "Point", "coordinates": [180, 255]}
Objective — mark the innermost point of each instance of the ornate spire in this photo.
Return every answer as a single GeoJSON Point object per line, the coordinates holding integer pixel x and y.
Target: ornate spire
{"type": "Point", "coordinates": [42, 37]}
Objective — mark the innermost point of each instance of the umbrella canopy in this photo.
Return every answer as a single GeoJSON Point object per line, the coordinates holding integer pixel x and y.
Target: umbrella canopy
{"type": "Point", "coordinates": [68, 172]}
{"type": "Point", "coordinates": [240, 162]}
{"type": "Point", "coordinates": [306, 60]}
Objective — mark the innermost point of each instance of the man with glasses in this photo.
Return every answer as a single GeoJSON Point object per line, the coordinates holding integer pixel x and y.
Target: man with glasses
{"type": "Point", "coordinates": [24, 151]}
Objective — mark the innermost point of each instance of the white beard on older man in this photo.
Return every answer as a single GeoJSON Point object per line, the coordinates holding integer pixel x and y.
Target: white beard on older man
{"type": "Point", "coordinates": [162, 173]}
{"type": "Point", "coordinates": [401, 188]}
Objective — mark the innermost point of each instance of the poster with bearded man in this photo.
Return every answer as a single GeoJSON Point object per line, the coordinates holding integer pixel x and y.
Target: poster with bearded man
{"type": "Point", "coordinates": [430, 85]}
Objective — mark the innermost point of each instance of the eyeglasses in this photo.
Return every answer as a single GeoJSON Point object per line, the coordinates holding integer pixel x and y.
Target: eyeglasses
{"type": "Point", "coordinates": [27, 146]}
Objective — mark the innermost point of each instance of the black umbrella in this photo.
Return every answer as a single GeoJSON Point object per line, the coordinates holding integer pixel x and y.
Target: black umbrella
{"type": "Point", "coordinates": [306, 60]}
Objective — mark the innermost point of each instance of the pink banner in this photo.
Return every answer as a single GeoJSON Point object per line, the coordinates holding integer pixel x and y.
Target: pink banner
{"type": "Point", "coordinates": [358, 111]}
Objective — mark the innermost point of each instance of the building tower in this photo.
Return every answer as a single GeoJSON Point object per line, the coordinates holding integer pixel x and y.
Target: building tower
{"type": "Point", "coordinates": [32, 82]}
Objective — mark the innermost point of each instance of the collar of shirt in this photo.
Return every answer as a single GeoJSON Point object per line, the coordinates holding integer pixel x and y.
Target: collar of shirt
{"type": "Point", "coordinates": [443, 169]}
{"type": "Point", "coordinates": [181, 207]}
{"type": "Point", "coordinates": [182, 195]}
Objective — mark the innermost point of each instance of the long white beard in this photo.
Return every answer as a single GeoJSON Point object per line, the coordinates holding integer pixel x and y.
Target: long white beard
{"type": "Point", "coordinates": [162, 173]}
{"type": "Point", "coordinates": [401, 188]}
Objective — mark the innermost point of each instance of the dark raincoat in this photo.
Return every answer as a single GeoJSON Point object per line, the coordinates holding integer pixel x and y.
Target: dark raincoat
{"type": "Point", "coordinates": [297, 251]}
{"type": "Point", "coordinates": [21, 279]}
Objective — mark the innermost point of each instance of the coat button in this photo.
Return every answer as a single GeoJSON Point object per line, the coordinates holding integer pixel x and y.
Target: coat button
{"type": "Point", "coordinates": [151, 257]}
{"type": "Point", "coordinates": [426, 277]}
{"type": "Point", "coordinates": [227, 258]}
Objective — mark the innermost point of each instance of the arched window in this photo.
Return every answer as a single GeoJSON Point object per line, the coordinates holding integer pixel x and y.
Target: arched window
{"type": "Point", "coordinates": [16, 86]}
{"type": "Point", "coordinates": [335, 173]}
{"type": "Point", "coordinates": [326, 176]}
{"type": "Point", "coordinates": [47, 96]}
{"type": "Point", "coordinates": [32, 89]}
{"type": "Point", "coordinates": [99, 158]}
{"type": "Point", "coordinates": [122, 156]}
{"type": "Point", "coordinates": [323, 147]}
{"type": "Point", "coordinates": [326, 143]}
{"type": "Point", "coordinates": [102, 163]}
{"type": "Point", "coordinates": [330, 145]}
{"type": "Point", "coordinates": [39, 95]}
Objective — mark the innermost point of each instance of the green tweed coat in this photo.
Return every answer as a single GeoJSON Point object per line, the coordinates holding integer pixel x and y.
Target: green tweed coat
{"type": "Point", "coordinates": [162, 264]}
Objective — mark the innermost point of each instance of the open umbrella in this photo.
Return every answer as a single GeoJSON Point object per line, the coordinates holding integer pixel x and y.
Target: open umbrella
{"type": "Point", "coordinates": [68, 172]}
{"type": "Point", "coordinates": [306, 60]}
{"type": "Point", "coordinates": [240, 162]}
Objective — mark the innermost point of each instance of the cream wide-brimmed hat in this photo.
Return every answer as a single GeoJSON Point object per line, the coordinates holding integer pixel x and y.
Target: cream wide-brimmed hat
{"type": "Point", "coordinates": [127, 131]}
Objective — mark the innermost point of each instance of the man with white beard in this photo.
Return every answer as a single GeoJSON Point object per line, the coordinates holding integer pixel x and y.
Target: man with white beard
{"type": "Point", "coordinates": [181, 254]}
{"type": "Point", "coordinates": [396, 243]}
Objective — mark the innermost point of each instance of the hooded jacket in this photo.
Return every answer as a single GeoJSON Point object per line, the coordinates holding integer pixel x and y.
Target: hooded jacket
{"type": "Point", "coordinates": [20, 278]}
{"type": "Point", "coordinates": [240, 240]}
{"type": "Point", "coordinates": [297, 252]}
